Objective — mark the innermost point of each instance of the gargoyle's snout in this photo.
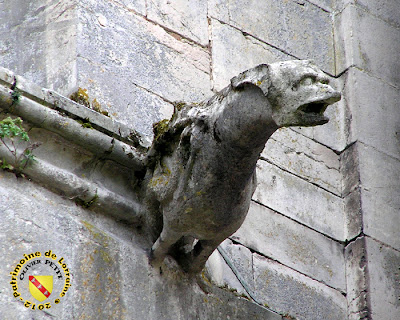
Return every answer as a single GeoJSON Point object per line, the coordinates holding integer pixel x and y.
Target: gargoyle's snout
{"type": "Point", "coordinates": [335, 96]}
{"type": "Point", "coordinates": [300, 93]}
{"type": "Point", "coordinates": [312, 112]}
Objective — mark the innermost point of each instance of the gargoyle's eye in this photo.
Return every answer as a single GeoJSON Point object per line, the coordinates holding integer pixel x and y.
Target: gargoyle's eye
{"type": "Point", "coordinates": [308, 81]}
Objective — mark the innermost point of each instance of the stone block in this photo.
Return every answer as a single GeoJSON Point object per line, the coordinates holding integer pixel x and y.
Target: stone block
{"type": "Point", "coordinates": [349, 169]}
{"type": "Point", "coordinates": [138, 6]}
{"type": "Point", "coordinates": [141, 53]}
{"type": "Point", "coordinates": [233, 52]}
{"type": "Point", "coordinates": [293, 245]}
{"type": "Point", "coordinates": [293, 294]}
{"type": "Point", "coordinates": [380, 189]}
{"type": "Point", "coordinates": [222, 274]}
{"type": "Point", "coordinates": [384, 280]}
{"type": "Point", "coordinates": [356, 278]}
{"type": "Point", "coordinates": [375, 112]}
{"type": "Point", "coordinates": [305, 158]}
{"type": "Point", "coordinates": [46, 30]}
{"type": "Point", "coordinates": [300, 200]}
{"type": "Point", "coordinates": [307, 31]}
{"type": "Point", "coordinates": [327, 5]}
{"type": "Point", "coordinates": [186, 18]}
{"type": "Point", "coordinates": [132, 105]}
{"type": "Point", "coordinates": [218, 9]}
{"type": "Point", "coordinates": [385, 10]}
{"type": "Point", "coordinates": [353, 214]}
{"type": "Point", "coordinates": [367, 42]}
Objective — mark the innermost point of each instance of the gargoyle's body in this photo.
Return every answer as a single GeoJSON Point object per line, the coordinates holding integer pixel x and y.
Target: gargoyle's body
{"type": "Point", "coordinates": [201, 172]}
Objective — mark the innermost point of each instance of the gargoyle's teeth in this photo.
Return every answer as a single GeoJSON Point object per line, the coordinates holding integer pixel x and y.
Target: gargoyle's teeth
{"type": "Point", "coordinates": [314, 107]}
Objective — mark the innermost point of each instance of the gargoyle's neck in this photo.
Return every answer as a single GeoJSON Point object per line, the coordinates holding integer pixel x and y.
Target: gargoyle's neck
{"type": "Point", "coordinates": [244, 120]}
{"type": "Point", "coordinates": [243, 125]}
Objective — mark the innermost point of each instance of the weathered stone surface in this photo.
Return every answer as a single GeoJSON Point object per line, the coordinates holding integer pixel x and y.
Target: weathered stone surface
{"type": "Point", "coordinates": [380, 188]}
{"type": "Point", "coordinates": [353, 214]}
{"type": "Point", "coordinates": [69, 157]}
{"type": "Point", "coordinates": [357, 279]}
{"type": "Point", "coordinates": [307, 31]}
{"type": "Point", "coordinates": [234, 52]}
{"type": "Point", "coordinates": [218, 9]}
{"type": "Point", "coordinates": [300, 200]}
{"type": "Point", "coordinates": [289, 292]}
{"type": "Point", "coordinates": [384, 280]}
{"type": "Point", "coordinates": [37, 114]}
{"type": "Point", "coordinates": [136, 5]}
{"type": "Point", "coordinates": [368, 43]}
{"type": "Point", "coordinates": [349, 169]}
{"type": "Point", "coordinates": [327, 5]}
{"type": "Point", "coordinates": [67, 38]}
{"type": "Point", "coordinates": [222, 274]}
{"type": "Point", "coordinates": [386, 10]}
{"type": "Point", "coordinates": [305, 158]}
{"type": "Point", "coordinates": [142, 53]}
{"type": "Point", "coordinates": [293, 245]}
{"type": "Point", "coordinates": [102, 260]}
{"type": "Point", "coordinates": [46, 30]}
{"type": "Point", "coordinates": [128, 104]}
{"type": "Point", "coordinates": [187, 18]}
{"type": "Point", "coordinates": [375, 112]}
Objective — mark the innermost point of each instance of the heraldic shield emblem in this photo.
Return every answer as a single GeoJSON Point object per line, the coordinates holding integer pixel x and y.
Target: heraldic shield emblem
{"type": "Point", "coordinates": [40, 287]}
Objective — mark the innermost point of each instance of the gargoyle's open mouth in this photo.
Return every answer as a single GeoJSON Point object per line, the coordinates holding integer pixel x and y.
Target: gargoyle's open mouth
{"type": "Point", "coordinates": [313, 112]}
{"type": "Point", "coordinates": [317, 107]}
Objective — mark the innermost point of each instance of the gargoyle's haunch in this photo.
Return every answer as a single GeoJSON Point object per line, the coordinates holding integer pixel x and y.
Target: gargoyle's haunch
{"type": "Point", "coordinates": [201, 166]}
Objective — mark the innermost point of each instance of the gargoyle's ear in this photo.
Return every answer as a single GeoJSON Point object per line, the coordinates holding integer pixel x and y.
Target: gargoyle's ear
{"type": "Point", "coordinates": [258, 76]}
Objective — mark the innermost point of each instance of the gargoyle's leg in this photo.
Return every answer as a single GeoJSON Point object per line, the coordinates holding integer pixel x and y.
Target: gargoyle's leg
{"type": "Point", "coordinates": [202, 250]}
{"type": "Point", "coordinates": [161, 247]}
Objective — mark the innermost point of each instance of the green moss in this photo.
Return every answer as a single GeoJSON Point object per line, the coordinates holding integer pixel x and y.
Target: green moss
{"type": "Point", "coordinates": [96, 106]}
{"type": "Point", "coordinates": [159, 128]}
{"type": "Point", "coordinates": [85, 123]}
{"type": "Point", "coordinates": [15, 95]}
{"type": "Point", "coordinates": [81, 96]}
{"type": "Point", "coordinates": [86, 204]}
{"type": "Point", "coordinates": [179, 105]}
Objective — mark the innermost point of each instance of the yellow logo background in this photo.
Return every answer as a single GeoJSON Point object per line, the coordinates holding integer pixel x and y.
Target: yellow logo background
{"type": "Point", "coordinates": [45, 281]}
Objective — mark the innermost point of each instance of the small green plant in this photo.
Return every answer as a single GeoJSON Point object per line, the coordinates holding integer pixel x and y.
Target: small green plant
{"type": "Point", "coordinates": [15, 95]}
{"type": "Point", "coordinates": [87, 204]}
{"type": "Point", "coordinates": [12, 134]}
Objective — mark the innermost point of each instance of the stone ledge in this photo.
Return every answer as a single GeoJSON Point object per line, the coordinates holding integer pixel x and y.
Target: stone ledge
{"type": "Point", "coordinates": [54, 100]}
{"type": "Point", "coordinates": [69, 164]}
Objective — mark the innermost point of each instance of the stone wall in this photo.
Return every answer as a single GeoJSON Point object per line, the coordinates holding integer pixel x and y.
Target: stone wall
{"type": "Point", "coordinates": [321, 238]}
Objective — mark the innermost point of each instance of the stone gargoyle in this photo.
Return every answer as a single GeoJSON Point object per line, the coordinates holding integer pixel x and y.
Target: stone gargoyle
{"type": "Point", "coordinates": [201, 167]}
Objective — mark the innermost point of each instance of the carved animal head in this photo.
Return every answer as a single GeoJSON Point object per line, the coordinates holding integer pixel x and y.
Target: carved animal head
{"type": "Point", "coordinates": [299, 92]}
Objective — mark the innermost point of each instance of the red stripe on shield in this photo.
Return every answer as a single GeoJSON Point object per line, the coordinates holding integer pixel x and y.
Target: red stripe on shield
{"type": "Point", "coordinates": [39, 286]}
